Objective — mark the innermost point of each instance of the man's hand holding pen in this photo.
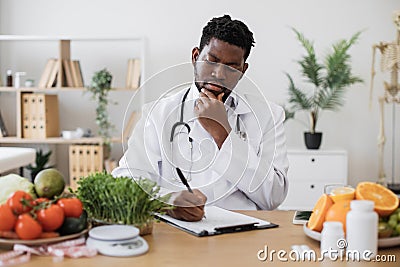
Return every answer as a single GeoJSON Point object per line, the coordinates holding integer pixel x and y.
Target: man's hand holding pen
{"type": "Point", "coordinates": [188, 206]}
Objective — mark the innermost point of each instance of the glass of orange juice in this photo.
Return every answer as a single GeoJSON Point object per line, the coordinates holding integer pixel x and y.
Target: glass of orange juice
{"type": "Point", "coordinates": [339, 192]}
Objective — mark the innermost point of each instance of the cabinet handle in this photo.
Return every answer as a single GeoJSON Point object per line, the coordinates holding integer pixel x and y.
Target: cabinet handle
{"type": "Point", "coordinates": [312, 160]}
{"type": "Point", "coordinates": [312, 186]}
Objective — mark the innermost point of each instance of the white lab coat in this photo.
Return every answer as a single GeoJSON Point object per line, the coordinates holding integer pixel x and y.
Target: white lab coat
{"type": "Point", "coordinates": [245, 173]}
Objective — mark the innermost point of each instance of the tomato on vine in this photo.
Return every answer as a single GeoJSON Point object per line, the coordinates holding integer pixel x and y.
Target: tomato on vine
{"type": "Point", "coordinates": [20, 202]}
{"type": "Point", "coordinates": [51, 218]}
{"type": "Point", "coordinates": [72, 207]}
{"type": "Point", "coordinates": [7, 218]}
{"type": "Point", "coordinates": [39, 201]}
{"type": "Point", "coordinates": [27, 228]}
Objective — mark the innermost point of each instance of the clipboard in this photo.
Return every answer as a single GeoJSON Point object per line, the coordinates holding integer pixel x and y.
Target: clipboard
{"type": "Point", "coordinates": [218, 221]}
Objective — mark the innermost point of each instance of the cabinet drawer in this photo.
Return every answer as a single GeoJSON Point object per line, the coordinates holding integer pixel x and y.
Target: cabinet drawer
{"type": "Point", "coordinates": [317, 168]}
{"type": "Point", "coordinates": [302, 196]}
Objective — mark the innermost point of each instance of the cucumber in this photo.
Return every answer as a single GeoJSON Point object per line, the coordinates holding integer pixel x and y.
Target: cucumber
{"type": "Point", "coordinates": [73, 225]}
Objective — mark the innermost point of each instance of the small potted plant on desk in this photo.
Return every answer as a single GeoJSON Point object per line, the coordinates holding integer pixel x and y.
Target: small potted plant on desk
{"type": "Point", "coordinates": [121, 200]}
{"type": "Point", "coordinates": [329, 81]}
{"type": "Point", "coordinates": [100, 86]}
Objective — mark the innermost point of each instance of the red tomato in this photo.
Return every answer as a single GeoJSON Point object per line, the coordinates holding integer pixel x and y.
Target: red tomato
{"type": "Point", "coordinates": [40, 200]}
{"type": "Point", "coordinates": [27, 228]}
{"type": "Point", "coordinates": [51, 218]}
{"type": "Point", "coordinates": [72, 207]}
{"type": "Point", "coordinates": [20, 202]}
{"type": "Point", "coordinates": [7, 218]}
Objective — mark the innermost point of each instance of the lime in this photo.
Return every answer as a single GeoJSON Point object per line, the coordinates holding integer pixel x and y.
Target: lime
{"type": "Point", "coordinates": [49, 183]}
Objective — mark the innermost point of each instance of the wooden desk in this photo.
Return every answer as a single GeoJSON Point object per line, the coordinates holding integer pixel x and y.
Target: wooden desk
{"type": "Point", "coordinates": [172, 247]}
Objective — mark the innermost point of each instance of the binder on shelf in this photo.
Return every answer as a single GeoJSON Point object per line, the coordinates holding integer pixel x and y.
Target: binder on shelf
{"type": "Point", "coordinates": [94, 166]}
{"type": "Point", "coordinates": [87, 160]}
{"type": "Point", "coordinates": [32, 116]}
{"type": "Point", "coordinates": [3, 129]}
{"type": "Point", "coordinates": [47, 116]}
{"type": "Point", "coordinates": [97, 158]}
{"type": "Point", "coordinates": [84, 160]}
{"type": "Point", "coordinates": [73, 167]}
{"type": "Point", "coordinates": [26, 123]}
{"type": "Point", "coordinates": [44, 78]}
{"type": "Point", "coordinates": [39, 116]}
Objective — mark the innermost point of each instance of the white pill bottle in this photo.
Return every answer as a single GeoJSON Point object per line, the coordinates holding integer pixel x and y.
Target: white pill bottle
{"type": "Point", "coordinates": [362, 230]}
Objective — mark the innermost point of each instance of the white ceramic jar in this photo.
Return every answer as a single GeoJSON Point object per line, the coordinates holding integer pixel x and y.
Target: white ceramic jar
{"type": "Point", "coordinates": [362, 230]}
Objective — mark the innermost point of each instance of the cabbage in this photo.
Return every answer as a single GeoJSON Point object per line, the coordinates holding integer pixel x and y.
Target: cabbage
{"type": "Point", "coordinates": [13, 182]}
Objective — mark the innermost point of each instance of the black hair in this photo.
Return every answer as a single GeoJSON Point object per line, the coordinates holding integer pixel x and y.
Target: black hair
{"type": "Point", "coordinates": [231, 31]}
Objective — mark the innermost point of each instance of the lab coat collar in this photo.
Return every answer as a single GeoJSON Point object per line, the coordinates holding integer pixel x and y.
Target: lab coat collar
{"type": "Point", "coordinates": [240, 103]}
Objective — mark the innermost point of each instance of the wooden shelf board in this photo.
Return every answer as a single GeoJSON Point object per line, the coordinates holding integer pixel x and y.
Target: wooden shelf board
{"type": "Point", "coordinates": [55, 140]}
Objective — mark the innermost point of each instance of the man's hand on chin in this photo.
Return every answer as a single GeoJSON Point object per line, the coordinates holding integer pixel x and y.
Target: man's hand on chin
{"type": "Point", "coordinates": [188, 206]}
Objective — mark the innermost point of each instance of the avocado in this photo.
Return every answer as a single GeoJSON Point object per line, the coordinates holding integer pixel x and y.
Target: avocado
{"type": "Point", "coordinates": [73, 225]}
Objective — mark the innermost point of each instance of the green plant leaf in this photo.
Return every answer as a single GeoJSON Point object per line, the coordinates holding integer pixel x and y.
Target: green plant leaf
{"type": "Point", "coordinates": [100, 86]}
{"type": "Point", "coordinates": [311, 69]}
{"type": "Point", "coordinates": [297, 98]}
{"type": "Point", "coordinates": [330, 79]}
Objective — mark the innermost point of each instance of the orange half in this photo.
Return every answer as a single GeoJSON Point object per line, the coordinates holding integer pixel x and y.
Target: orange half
{"type": "Point", "coordinates": [386, 202]}
{"type": "Point", "coordinates": [317, 217]}
{"type": "Point", "coordinates": [342, 193]}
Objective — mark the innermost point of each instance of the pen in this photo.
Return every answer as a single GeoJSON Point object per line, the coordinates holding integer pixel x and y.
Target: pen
{"type": "Point", "coordinates": [183, 179]}
{"type": "Point", "coordinates": [185, 182]}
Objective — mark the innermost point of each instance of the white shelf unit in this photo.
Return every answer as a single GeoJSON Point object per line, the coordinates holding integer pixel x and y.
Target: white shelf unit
{"type": "Point", "coordinates": [309, 172]}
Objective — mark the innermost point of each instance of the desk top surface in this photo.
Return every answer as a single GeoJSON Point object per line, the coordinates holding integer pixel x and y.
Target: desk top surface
{"type": "Point", "coordinates": [172, 247]}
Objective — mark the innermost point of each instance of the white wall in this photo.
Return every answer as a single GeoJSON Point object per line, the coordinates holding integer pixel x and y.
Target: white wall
{"type": "Point", "coordinates": [173, 27]}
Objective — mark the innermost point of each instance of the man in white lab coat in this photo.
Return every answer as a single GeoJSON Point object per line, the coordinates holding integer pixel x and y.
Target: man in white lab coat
{"type": "Point", "coordinates": [229, 146]}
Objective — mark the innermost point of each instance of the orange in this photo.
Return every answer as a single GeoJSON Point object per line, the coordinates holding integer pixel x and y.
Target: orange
{"type": "Point", "coordinates": [338, 211]}
{"type": "Point", "coordinates": [342, 193]}
{"type": "Point", "coordinates": [386, 202]}
{"type": "Point", "coordinates": [317, 217]}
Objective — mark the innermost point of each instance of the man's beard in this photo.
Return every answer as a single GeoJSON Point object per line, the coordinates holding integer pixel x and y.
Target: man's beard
{"type": "Point", "coordinates": [224, 90]}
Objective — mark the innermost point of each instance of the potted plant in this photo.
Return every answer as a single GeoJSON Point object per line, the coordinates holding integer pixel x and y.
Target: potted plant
{"type": "Point", "coordinates": [41, 161]}
{"type": "Point", "coordinates": [328, 82]}
{"type": "Point", "coordinates": [100, 86]}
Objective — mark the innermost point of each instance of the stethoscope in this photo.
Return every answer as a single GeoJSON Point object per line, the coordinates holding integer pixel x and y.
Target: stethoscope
{"type": "Point", "coordinates": [242, 135]}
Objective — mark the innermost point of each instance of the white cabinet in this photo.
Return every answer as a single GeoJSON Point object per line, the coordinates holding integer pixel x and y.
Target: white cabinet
{"type": "Point", "coordinates": [309, 172]}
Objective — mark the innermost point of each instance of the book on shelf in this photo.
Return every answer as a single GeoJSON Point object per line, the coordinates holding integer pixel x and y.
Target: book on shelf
{"type": "Point", "coordinates": [76, 73]}
{"type": "Point", "coordinates": [133, 73]}
{"type": "Point", "coordinates": [52, 81]}
{"type": "Point", "coordinates": [47, 71]}
{"type": "Point", "coordinates": [68, 73]}
{"type": "Point", "coordinates": [3, 130]}
{"type": "Point", "coordinates": [130, 125]}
